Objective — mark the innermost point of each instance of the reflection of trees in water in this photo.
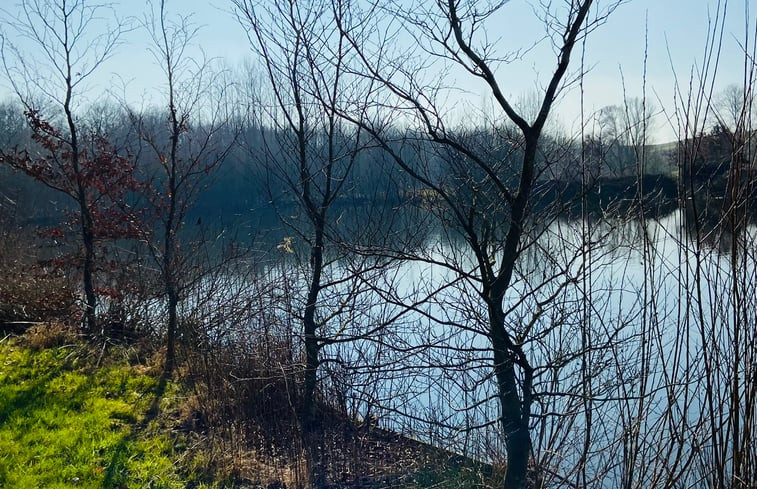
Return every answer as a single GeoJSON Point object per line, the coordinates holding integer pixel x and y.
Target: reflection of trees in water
{"type": "Point", "coordinates": [715, 225]}
{"type": "Point", "coordinates": [437, 354]}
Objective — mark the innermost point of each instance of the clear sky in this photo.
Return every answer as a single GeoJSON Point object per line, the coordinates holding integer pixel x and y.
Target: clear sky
{"type": "Point", "coordinates": [675, 33]}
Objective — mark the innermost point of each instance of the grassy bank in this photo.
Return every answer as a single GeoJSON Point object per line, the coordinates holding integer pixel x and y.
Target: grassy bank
{"type": "Point", "coordinates": [73, 414]}
{"type": "Point", "coordinates": [66, 423]}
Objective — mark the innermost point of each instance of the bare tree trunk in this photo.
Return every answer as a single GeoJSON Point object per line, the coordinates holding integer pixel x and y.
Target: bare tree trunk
{"type": "Point", "coordinates": [169, 253]}
{"type": "Point", "coordinates": [514, 414]}
{"type": "Point", "coordinates": [85, 215]}
{"type": "Point", "coordinates": [173, 301]}
{"type": "Point", "coordinates": [90, 313]}
{"type": "Point", "coordinates": [310, 328]}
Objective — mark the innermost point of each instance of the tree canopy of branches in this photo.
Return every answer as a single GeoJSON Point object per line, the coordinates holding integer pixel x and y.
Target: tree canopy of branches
{"type": "Point", "coordinates": [194, 136]}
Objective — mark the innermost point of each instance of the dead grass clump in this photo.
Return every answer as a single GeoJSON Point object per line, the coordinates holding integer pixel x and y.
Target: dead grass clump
{"type": "Point", "coordinates": [32, 294]}
{"type": "Point", "coordinates": [50, 335]}
{"type": "Point", "coordinates": [249, 384]}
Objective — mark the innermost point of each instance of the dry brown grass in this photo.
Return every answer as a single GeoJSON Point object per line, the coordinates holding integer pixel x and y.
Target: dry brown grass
{"type": "Point", "coordinates": [31, 291]}
{"type": "Point", "coordinates": [50, 335]}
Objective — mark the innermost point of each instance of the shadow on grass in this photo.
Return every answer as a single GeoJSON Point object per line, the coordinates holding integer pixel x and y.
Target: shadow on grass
{"type": "Point", "coordinates": [25, 400]}
{"type": "Point", "coordinates": [116, 472]}
{"type": "Point", "coordinates": [154, 409]}
{"type": "Point", "coordinates": [35, 392]}
{"type": "Point", "coordinates": [39, 402]}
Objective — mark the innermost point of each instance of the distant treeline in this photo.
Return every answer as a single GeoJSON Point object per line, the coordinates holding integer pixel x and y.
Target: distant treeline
{"type": "Point", "coordinates": [247, 182]}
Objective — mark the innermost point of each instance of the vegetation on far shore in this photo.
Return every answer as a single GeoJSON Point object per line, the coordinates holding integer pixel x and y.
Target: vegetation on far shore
{"type": "Point", "coordinates": [439, 298]}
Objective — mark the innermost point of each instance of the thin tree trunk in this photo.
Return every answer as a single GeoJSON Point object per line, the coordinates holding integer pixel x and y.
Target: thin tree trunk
{"type": "Point", "coordinates": [170, 267]}
{"type": "Point", "coordinates": [88, 238]}
{"type": "Point", "coordinates": [310, 326]}
{"type": "Point", "coordinates": [310, 425]}
{"type": "Point", "coordinates": [173, 301]}
{"type": "Point", "coordinates": [515, 411]}
{"type": "Point", "coordinates": [87, 225]}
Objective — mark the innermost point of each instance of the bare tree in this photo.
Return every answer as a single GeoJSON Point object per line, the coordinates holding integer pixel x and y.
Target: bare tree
{"type": "Point", "coordinates": [316, 154]}
{"type": "Point", "coordinates": [186, 146]}
{"type": "Point", "coordinates": [623, 132]}
{"type": "Point", "coordinates": [490, 200]}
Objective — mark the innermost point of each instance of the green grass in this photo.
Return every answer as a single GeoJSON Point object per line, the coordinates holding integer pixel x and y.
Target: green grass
{"type": "Point", "coordinates": [66, 424]}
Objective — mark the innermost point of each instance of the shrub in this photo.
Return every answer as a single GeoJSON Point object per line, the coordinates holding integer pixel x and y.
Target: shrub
{"type": "Point", "coordinates": [32, 294]}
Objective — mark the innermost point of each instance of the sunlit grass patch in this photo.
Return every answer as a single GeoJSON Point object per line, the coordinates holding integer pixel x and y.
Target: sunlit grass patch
{"type": "Point", "coordinates": [66, 424]}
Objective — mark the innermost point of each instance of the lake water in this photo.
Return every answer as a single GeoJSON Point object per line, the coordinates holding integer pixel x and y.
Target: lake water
{"type": "Point", "coordinates": [635, 330]}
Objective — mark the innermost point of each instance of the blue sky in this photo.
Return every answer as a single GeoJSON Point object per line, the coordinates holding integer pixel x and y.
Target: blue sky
{"type": "Point", "coordinates": [676, 30]}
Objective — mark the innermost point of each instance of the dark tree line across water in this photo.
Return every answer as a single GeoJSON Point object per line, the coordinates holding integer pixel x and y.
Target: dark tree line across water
{"type": "Point", "coordinates": [239, 188]}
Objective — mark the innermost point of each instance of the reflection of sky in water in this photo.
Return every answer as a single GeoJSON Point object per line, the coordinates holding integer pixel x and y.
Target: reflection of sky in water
{"type": "Point", "coordinates": [432, 363]}
{"type": "Point", "coordinates": [629, 265]}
